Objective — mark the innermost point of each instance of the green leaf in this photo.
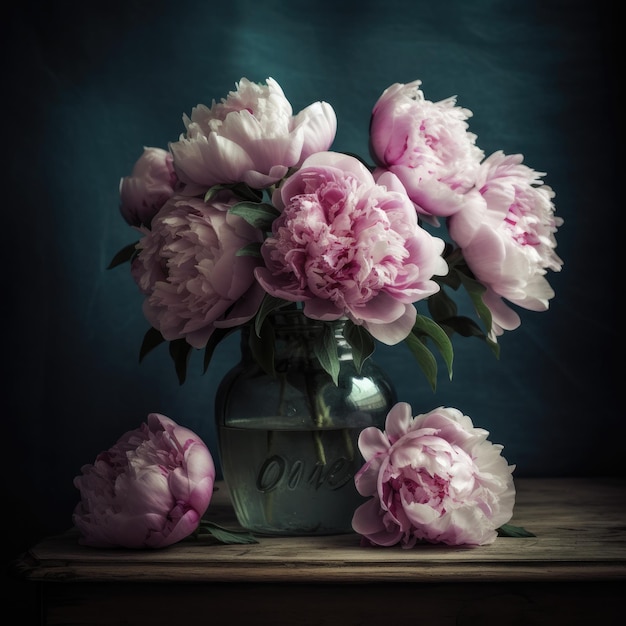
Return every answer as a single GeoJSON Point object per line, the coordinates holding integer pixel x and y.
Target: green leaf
{"type": "Point", "coordinates": [239, 189]}
{"type": "Point", "coordinates": [464, 326]}
{"type": "Point", "coordinates": [508, 530]}
{"type": "Point", "coordinates": [216, 337]}
{"type": "Point", "coordinates": [261, 345]}
{"type": "Point", "coordinates": [213, 191]}
{"type": "Point", "coordinates": [269, 304]}
{"type": "Point", "coordinates": [180, 351]}
{"type": "Point", "coordinates": [424, 357]}
{"type": "Point", "coordinates": [246, 192]}
{"type": "Point", "coordinates": [424, 326]}
{"type": "Point", "coordinates": [467, 327]}
{"type": "Point", "coordinates": [454, 256]}
{"type": "Point", "coordinates": [441, 306]}
{"type": "Point", "coordinates": [360, 341]}
{"type": "Point", "coordinates": [124, 255]}
{"type": "Point", "coordinates": [476, 291]}
{"type": "Point", "coordinates": [151, 340]}
{"type": "Point", "coordinates": [224, 535]}
{"type": "Point", "coordinates": [252, 249]}
{"type": "Point", "coordinates": [325, 348]}
{"type": "Point", "coordinates": [451, 279]}
{"type": "Point", "coordinates": [258, 214]}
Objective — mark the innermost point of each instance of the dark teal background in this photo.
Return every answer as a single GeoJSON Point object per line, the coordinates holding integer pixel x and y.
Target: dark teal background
{"type": "Point", "coordinates": [87, 84]}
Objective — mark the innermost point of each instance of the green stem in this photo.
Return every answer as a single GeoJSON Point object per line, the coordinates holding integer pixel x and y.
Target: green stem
{"type": "Point", "coordinates": [347, 439]}
{"type": "Point", "coordinates": [319, 447]}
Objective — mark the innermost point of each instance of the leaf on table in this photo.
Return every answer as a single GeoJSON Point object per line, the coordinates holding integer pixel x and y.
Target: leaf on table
{"type": "Point", "coordinates": [508, 530]}
{"type": "Point", "coordinates": [224, 535]}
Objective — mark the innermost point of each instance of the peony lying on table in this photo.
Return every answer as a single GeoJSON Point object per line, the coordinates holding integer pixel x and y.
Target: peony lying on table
{"type": "Point", "coordinates": [149, 490]}
{"type": "Point", "coordinates": [433, 478]}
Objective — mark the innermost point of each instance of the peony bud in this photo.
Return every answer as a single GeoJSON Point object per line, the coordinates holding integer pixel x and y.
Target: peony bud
{"type": "Point", "coordinates": [150, 186]}
{"type": "Point", "coordinates": [149, 490]}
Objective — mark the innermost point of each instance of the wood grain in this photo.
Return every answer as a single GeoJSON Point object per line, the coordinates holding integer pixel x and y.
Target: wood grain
{"type": "Point", "coordinates": [580, 528]}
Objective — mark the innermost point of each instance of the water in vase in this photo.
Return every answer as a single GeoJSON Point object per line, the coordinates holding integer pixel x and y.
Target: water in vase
{"type": "Point", "coordinates": [282, 479]}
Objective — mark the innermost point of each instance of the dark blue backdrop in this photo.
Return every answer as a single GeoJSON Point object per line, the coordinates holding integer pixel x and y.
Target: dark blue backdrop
{"type": "Point", "coordinates": [87, 85]}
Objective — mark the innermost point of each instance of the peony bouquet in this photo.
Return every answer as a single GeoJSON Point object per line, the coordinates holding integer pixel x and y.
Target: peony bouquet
{"type": "Point", "coordinates": [252, 210]}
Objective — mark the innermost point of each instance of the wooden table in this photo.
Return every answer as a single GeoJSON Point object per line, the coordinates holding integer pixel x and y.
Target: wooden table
{"type": "Point", "coordinates": [572, 572]}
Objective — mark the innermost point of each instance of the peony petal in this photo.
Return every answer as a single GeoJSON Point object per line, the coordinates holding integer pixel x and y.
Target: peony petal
{"type": "Point", "coordinates": [367, 521]}
{"type": "Point", "coordinates": [392, 333]}
{"type": "Point", "coordinates": [372, 442]}
{"type": "Point", "coordinates": [398, 421]}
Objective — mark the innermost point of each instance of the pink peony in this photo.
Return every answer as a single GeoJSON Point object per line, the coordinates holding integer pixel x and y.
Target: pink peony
{"type": "Point", "coordinates": [434, 478]}
{"type": "Point", "coordinates": [189, 271]}
{"type": "Point", "coordinates": [149, 490]}
{"type": "Point", "coordinates": [251, 136]}
{"type": "Point", "coordinates": [151, 184]}
{"type": "Point", "coordinates": [507, 234]}
{"type": "Point", "coordinates": [427, 145]}
{"type": "Point", "coordinates": [346, 246]}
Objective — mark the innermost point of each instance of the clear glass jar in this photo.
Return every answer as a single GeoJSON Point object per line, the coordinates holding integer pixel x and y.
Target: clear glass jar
{"type": "Point", "coordinates": [288, 444]}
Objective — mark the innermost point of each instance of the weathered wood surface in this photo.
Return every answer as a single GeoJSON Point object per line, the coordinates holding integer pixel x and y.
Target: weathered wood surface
{"type": "Point", "coordinates": [580, 528]}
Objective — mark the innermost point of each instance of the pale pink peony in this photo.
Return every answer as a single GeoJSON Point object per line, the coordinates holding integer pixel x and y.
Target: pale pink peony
{"type": "Point", "coordinates": [507, 234]}
{"type": "Point", "coordinates": [427, 145]}
{"type": "Point", "coordinates": [149, 490]}
{"type": "Point", "coordinates": [348, 247]}
{"type": "Point", "coordinates": [151, 184]}
{"type": "Point", "coordinates": [433, 478]}
{"type": "Point", "coordinates": [251, 136]}
{"type": "Point", "coordinates": [188, 269]}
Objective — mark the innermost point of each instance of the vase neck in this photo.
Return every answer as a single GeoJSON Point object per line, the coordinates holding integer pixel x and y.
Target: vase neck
{"type": "Point", "coordinates": [295, 336]}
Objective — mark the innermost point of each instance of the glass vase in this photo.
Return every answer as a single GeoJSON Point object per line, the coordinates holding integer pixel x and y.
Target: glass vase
{"type": "Point", "coordinates": [288, 443]}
